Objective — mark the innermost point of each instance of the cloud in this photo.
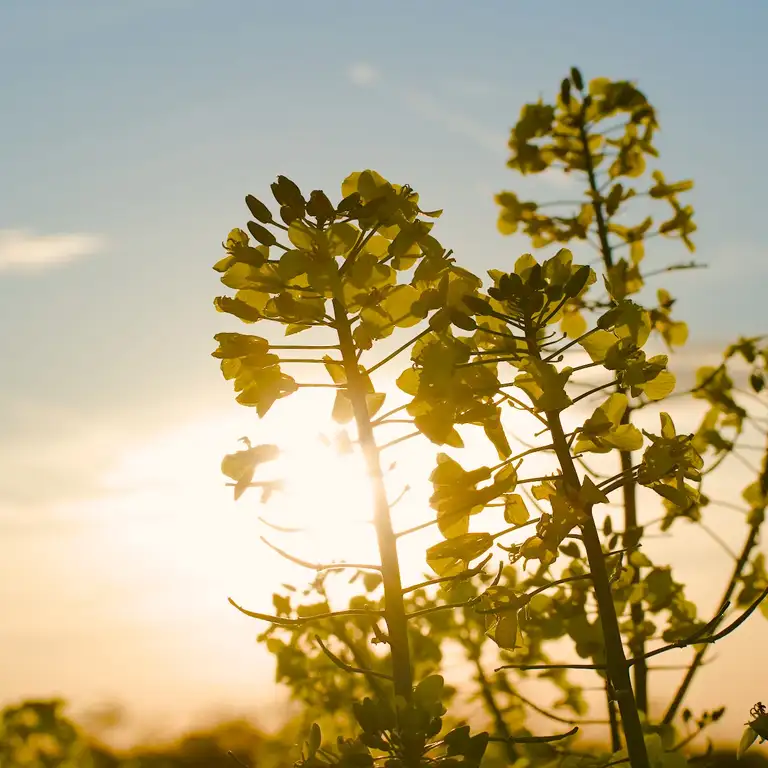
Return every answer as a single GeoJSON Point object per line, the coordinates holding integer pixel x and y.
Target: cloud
{"type": "Point", "coordinates": [22, 251]}
{"type": "Point", "coordinates": [363, 74]}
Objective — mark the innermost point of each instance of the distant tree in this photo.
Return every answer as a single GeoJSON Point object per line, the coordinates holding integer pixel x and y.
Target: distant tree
{"type": "Point", "coordinates": [365, 282]}
{"type": "Point", "coordinates": [36, 733]}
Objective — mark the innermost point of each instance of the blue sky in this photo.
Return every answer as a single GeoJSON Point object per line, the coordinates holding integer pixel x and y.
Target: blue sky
{"type": "Point", "coordinates": [144, 123]}
{"type": "Point", "coordinates": [133, 130]}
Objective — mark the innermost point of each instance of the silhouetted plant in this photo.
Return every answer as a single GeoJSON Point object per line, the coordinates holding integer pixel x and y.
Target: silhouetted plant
{"type": "Point", "coordinates": [352, 277]}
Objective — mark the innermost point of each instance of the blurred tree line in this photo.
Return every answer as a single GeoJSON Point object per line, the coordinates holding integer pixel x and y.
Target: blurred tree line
{"type": "Point", "coordinates": [39, 734]}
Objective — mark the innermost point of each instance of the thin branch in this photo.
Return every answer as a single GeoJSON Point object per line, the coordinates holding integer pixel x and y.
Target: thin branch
{"type": "Point", "coordinates": [556, 718]}
{"type": "Point", "coordinates": [415, 528]}
{"type": "Point", "coordinates": [398, 440]}
{"type": "Point", "coordinates": [521, 405]}
{"type": "Point", "coordinates": [697, 637]}
{"type": "Point", "coordinates": [529, 595]}
{"type": "Point", "coordinates": [443, 607]}
{"type": "Point", "coordinates": [283, 621]}
{"type": "Point", "coordinates": [570, 344]}
{"type": "Point", "coordinates": [319, 566]}
{"type": "Point", "coordinates": [537, 739]}
{"type": "Point", "coordinates": [233, 756]}
{"type": "Point", "coordinates": [718, 540]}
{"type": "Point", "coordinates": [349, 668]}
{"type": "Point", "coordinates": [303, 346]}
{"type": "Point", "coordinates": [594, 391]}
{"type": "Point", "coordinates": [463, 575]}
{"type": "Point", "coordinates": [279, 528]}
{"type": "Point", "coordinates": [551, 666]}
{"type": "Point", "coordinates": [698, 659]}
{"type": "Point", "coordinates": [673, 268]}
{"type": "Point", "coordinates": [400, 349]}
{"type": "Point", "coordinates": [388, 414]}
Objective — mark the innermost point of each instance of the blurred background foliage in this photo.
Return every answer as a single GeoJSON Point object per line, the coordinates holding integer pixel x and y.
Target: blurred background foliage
{"type": "Point", "coordinates": [41, 734]}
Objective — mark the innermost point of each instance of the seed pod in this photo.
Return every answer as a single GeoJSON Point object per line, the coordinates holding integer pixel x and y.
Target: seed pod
{"type": "Point", "coordinates": [577, 79]}
{"type": "Point", "coordinates": [258, 210]}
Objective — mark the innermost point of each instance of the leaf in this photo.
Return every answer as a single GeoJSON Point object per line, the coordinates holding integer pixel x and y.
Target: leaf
{"type": "Point", "coordinates": [597, 344]}
{"type": "Point", "coordinates": [506, 631]}
{"type": "Point", "coordinates": [660, 387]}
{"type": "Point", "coordinates": [571, 548]}
{"type": "Point", "coordinates": [301, 236]}
{"type": "Point", "coordinates": [241, 466]}
{"type": "Point", "coordinates": [626, 437]}
{"type": "Point", "coordinates": [515, 511]}
{"type": "Point", "coordinates": [408, 381]}
{"type": "Point", "coordinates": [747, 740]}
{"type": "Point", "coordinates": [374, 401]}
{"type": "Point", "coordinates": [494, 431]}
{"type": "Point", "coordinates": [590, 494]}
{"type": "Point", "coordinates": [573, 325]}
{"type": "Point", "coordinates": [444, 557]}
{"type": "Point", "coordinates": [342, 412]}
{"type": "Point", "coordinates": [429, 692]}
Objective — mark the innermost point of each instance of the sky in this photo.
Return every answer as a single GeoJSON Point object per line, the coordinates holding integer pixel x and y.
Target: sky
{"type": "Point", "coordinates": [132, 132]}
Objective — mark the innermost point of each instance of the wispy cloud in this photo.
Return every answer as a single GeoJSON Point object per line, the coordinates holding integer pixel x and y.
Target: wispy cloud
{"type": "Point", "coordinates": [363, 74]}
{"type": "Point", "coordinates": [22, 251]}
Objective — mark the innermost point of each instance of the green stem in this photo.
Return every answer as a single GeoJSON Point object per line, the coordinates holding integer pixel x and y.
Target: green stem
{"type": "Point", "coordinates": [637, 615]}
{"type": "Point", "coordinates": [613, 720]}
{"type": "Point", "coordinates": [394, 606]}
{"type": "Point", "coordinates": [616, 665]}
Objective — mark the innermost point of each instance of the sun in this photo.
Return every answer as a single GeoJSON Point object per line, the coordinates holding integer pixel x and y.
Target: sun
{"type": "Point", "coordinates": [324, 511]}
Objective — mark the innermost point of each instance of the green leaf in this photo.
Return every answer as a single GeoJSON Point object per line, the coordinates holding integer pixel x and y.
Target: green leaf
{"type": "Point", "coordinates": [448, 557]}
{"type": "Point", "coordinates": [241, 466]}
{"type": "Point", "coordinates": [429, 692]}
{"type": "Point", "coordinates": [343, 412]}
{"type": "Point", "coordinates": [505, 632]}
{"type": "Point", "coordinates": [494, 431]}
{"type": "Point", "coordinates": [748, 738]}
{"type": "Point", "coordinates": [515, 511]}
{"type": "Point", "coordinates": [660, 387]}
{"type": "Point", "coordinates": [590, 494]}
{"type": "Point", "coordinates": [597, 344]}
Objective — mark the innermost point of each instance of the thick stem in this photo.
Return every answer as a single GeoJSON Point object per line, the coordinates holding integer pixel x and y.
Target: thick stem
{"type": "Point", "coordinates": [613, 720]}
{"type": "Point", "coordinates": [394, 606]}
{"type": "Point", "coordinates": [615, 659]}
{"type": "Point", "coordinates": [749, 545]}
{"type": "Point", "coordinates": [637, 615]}
{"type": "Point", "coordinates": [616, 665]}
